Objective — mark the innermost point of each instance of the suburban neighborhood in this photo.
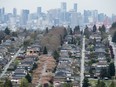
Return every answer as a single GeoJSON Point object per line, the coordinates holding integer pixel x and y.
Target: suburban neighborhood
{"type": "Point", "coordinates": [80, 57]}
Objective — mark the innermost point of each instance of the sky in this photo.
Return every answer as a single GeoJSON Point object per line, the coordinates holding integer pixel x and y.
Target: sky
{"type": "Point", "coordinates": [103, 6]}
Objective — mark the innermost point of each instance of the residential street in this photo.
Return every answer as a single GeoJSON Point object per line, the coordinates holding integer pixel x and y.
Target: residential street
{"type": "Point", "coordinates": [43, 72]}
{"type": "Point", "coordinates": [7, 66]}
{"type": "Point", "coordinates": [82, 63]}
{"type": "Point", "coordinates": [114, 49]}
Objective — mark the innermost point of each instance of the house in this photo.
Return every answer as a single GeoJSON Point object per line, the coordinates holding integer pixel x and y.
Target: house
{"type": "Point", "coordinates": [25, 66]}
{"type": "Point", "coordinates": [33, 51]}
{"type": "Point", "coordinates": [29, 61]}
{"type": "Point", "coordinates": [17, 75]}
{"type": "Point", "coordinates": [3, 50]}
{"type": "Point", "coordinates": [3, 62]}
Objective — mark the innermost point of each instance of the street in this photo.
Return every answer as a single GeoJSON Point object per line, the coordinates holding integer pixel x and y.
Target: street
{"type": "Point", "coordinates": [43, 72]}
{"type": "Point", "coordinates": [82, 63]}
{"type": "Point", "coordinates": [7, 66]}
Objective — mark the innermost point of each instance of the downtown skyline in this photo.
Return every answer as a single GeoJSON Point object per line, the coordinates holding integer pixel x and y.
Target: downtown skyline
{"type": "Point", "coordinates": [107, 7]}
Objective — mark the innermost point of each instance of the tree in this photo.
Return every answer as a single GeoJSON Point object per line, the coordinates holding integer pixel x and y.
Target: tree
{"type": "Point", "coordinates": [7, 31]}
{"type": "Point", "coordinates": [112, 84]}
{"type": "Point", "coordinates": [14, 34]}
{"type": "Point", "coordinates": [114, 37]}
{"type": "Point", "coordinates": [103, 73]}
{"type": "Point", "coordinates": [56, 55]}
{"type": "Point", "coordinates": [67, 84]}
{"type": "Point", "coordinates": [26, 43]}
{"type": "Point", "coordinates": [71, 32]}
{"type": "Point", "coordinates": [114, 25]}
{"type": "Point", "coordinates": [103, 28]}
{"type": "Point", "coordinates": [46, 30]}
{"type": "Point", "coordinates": [100, 28]}
{"type": "Point", "coordinates": [28, 77]}
{"type": "Point", "coordinates": [24, 82]}
{"type": "Point", "coordinates": [77, 29]}
{"type": "Point", "coordinates": [7, 83]}
{"type": "Point", "coordinates": [34, 66]}
{"type": "Point", "coordinates": [98, 83]}
{"type": "Point", "coordinates": [111, 69]}
{"type": "Point", "coordinates": [87, 32]}
{"type": "Point", "coordinates": [85, 82]}
{"type": "Point", "coordinates": [94, 28]}
{"type": "Point", "coordinates": [45, 50]}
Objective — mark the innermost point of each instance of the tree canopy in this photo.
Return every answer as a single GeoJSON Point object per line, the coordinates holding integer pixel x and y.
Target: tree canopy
{"type": "Point", "coordinates": [7, 31]}
{"type": "Point", "coordinates": [113, 25]}
{"type": "Point", "coordinates": [94, 28]}
{"type": "Point", "coordinates": [7, 83]}
{"type": "Point", "coordinates": [77, 29]}
{"type": "Point", "coordinates": [28, 77]}
{"type": "Point", "coordinates": [103, 73]}
{"type": "Point", "coordinates": [45, 50]}
{"type": "Point", "coordinates": [85, 82]}
{"type": "Point", "coordinates": [56, 55]}
{"type": "Point", "coordinates": [114, 37]}
{"type": "Point", "coordinates": [111, 69]}
{"type": "Point", "coordinates": [24, 82]}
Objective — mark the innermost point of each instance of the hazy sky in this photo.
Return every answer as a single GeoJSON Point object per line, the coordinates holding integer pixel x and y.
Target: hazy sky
{"type": "Point", "coordinates": [105, 6]}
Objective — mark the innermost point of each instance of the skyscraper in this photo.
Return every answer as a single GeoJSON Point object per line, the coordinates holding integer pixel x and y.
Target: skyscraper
{"type": "Point", "coordinates": [74, 19]}
{"type": "Point", "coordinates": [24, 17]}
{"type": "Point", "coordinates": [63, 7]}
{"type": "Point", "coordinates": [0, 14]}
{"type": "Point", "coordinates": [14, 12]}
{"type": "Point", "coordinates": [39, 10]}
{"type": "Point", "coordinates": [95, 16]}
{"type": "Point", "coordinates": [3, 14]}
{"type": "Point", "coordinates": [3, 10]}
{"type": "Point", "coordinates": [75, 7]}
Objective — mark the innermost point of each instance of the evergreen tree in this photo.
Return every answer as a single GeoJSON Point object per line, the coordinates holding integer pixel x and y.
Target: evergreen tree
{"type": "Point", "coordinates": [114, 25]}
{"type": "Point", "coordinates": [46, 30]}
{"type": "Point", "coordinates": [111, 69]}
{"type": "Point", "coordinates": [103, 28]}
{"type": "Point", "coordinates": [85, 82]}
{"type": "Point", "coordinates": [103, 73]}
{"type": "Point", "coordinates": [7, 83]}
{"type": "Point", "coordinates": [100, 28]}
{"type": "Point", "coordinates": [45, 50]}
{"type": "Point", "coordinates": [87, 32]}
{"type": "Point", "coordinates": [71, 32]}
{"type": "Point", "coordinates": [7, 31]}
{"type": "Point", "coordinates": [28, 77]}
{"type": "Point", "coordinates": [77, 29]}
{"type": "Point", "coordinates": [94, 28]}
{"type": "Point", "coordinates": [34, 66]}
{"type": "Point", "coordinates": [56, 55]}
{"type": "Point", "coordinates": [114, 37]}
